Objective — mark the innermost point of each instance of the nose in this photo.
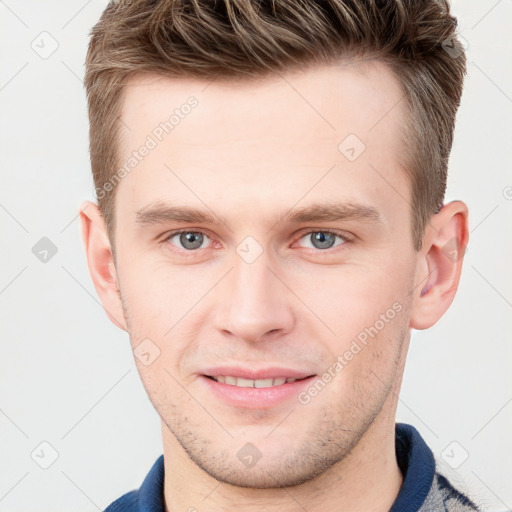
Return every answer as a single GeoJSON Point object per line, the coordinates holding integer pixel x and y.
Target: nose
{"type": "Point", "coordinates": [256, 303]}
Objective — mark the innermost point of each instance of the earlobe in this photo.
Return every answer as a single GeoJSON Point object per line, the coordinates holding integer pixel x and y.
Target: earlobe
{"type": "Point", "coordinates": [100, 261]}
{"type": "Point", "coordinates": [440, 264]}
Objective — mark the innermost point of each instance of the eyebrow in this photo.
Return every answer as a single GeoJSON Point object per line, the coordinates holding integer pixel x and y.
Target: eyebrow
{"type": "Point", "coordinates": [161, 213]}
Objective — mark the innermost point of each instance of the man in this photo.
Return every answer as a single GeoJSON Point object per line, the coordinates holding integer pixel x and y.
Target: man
{"type": "Point", "coordinates": [270, 227]}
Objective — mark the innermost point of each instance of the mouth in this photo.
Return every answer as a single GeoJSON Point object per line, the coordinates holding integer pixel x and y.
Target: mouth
{"type": "Point", "coordinates": [242, 382]}
{"type": "Point", "coordinates": [262, 393]}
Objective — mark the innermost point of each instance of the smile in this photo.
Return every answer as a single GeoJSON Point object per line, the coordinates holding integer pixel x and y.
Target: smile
{"type": "Point", "coordinates": [252, 383]}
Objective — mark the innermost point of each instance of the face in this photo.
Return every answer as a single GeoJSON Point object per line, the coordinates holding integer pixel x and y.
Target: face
{"type": "Point", "coordinates": [265, 234]}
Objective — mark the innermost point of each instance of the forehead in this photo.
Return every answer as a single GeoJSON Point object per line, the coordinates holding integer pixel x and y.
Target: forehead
{"type": "Point", "coordinates": [271, 139]}
{"type": "Point", "coordinates": [323, 101]}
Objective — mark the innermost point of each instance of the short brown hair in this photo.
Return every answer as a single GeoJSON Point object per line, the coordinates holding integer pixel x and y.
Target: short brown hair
{"type": "Point", "coordinates": [247, 39]}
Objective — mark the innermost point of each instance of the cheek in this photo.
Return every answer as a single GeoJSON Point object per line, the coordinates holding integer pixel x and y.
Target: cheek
{"type": "Point", "coordinates": [158, 295]}
{"type": "Point", "coordinates": [164, 311]}
{"type": "Point", "coordinates": [354, 297]}
{"type": "Point", "coordinates": [366, 308]}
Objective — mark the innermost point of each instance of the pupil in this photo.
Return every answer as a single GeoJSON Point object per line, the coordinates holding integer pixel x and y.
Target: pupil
{"type": "Point", "coordinates": [322, 239]}
{"type": "Point", "coordinates": [191, 240]}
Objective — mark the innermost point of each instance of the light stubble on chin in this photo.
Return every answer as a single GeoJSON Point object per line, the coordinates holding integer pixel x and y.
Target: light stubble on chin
{"type": "Point", "coordinates": [328, 442]}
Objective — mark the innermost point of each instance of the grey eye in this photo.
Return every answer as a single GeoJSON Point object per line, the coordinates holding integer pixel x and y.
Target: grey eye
{"type": "Point", "coordinates": [323, 239]}
{"type": "Point", "coordinates": [190, 240]}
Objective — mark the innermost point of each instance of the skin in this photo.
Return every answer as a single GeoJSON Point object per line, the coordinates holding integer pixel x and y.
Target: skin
{"type": "Point", "coordinates": [248, 153]}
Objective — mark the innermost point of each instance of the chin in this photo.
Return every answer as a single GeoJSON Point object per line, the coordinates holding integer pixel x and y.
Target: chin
{"type": "Point", "coordinates": [263, 478]}
{"type": "Point", "coordinates": [266, 471]}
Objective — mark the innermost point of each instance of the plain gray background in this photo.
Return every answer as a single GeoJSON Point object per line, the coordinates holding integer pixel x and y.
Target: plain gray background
{"type": "Point", "coordinates": [68, 376]}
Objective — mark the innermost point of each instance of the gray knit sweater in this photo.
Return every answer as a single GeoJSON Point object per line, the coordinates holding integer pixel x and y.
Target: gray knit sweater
{"type": "Point", "coordinates": [443, 497]}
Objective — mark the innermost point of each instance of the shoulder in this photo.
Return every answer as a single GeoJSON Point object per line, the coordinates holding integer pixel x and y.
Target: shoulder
{"type": "Point", "coordinates": [148, 498]}
{"type": "Point", "coordinates": [126, 503]}
{"type": "Point", "coordinates": [443, 496]}
{"type": "Point", "coordinates": [424, 488]}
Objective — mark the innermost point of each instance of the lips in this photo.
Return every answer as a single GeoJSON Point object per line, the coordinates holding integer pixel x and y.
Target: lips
{"type": "Point", "coordinates": [252, 383]}
{"type": "Point", "coordinates": [250, 388]}
{"type": "Point", "coordinates": [253, 374]}
{"type": "Point", "coordinates": [244, 395]}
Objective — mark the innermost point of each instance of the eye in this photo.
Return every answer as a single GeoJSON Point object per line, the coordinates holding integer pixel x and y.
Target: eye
{"type": "Point", "coordinates": [323, 239]}
{"type": "Point", "coordinates": [188, 240]}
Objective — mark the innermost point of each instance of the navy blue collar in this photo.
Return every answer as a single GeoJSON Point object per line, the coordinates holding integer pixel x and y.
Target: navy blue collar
{"type": "Point", "coordinates": [416, 461]}
{"type": "Point", "coordinates": [414, 458]}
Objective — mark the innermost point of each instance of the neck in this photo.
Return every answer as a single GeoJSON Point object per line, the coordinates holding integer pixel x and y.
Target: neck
{"type": "Point", "coordinates": [368, 479]}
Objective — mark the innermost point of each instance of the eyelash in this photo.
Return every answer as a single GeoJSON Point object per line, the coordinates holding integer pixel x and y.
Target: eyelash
{"type": "Point", "coordinates": [347, 240]}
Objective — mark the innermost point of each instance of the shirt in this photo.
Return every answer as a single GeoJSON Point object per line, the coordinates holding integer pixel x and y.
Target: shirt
{"type": "Point", "coordinates": [423, 488]}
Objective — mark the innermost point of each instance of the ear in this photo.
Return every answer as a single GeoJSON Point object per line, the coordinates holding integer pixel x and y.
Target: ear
{"type": "Point", "coordinates": [440, 264]}
{"type": "Point", "coordinates": [101, 262]}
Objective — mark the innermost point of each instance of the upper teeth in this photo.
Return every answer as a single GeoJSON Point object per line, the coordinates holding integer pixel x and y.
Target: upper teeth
{"type": "Point", "coordinates": [250, 383]}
